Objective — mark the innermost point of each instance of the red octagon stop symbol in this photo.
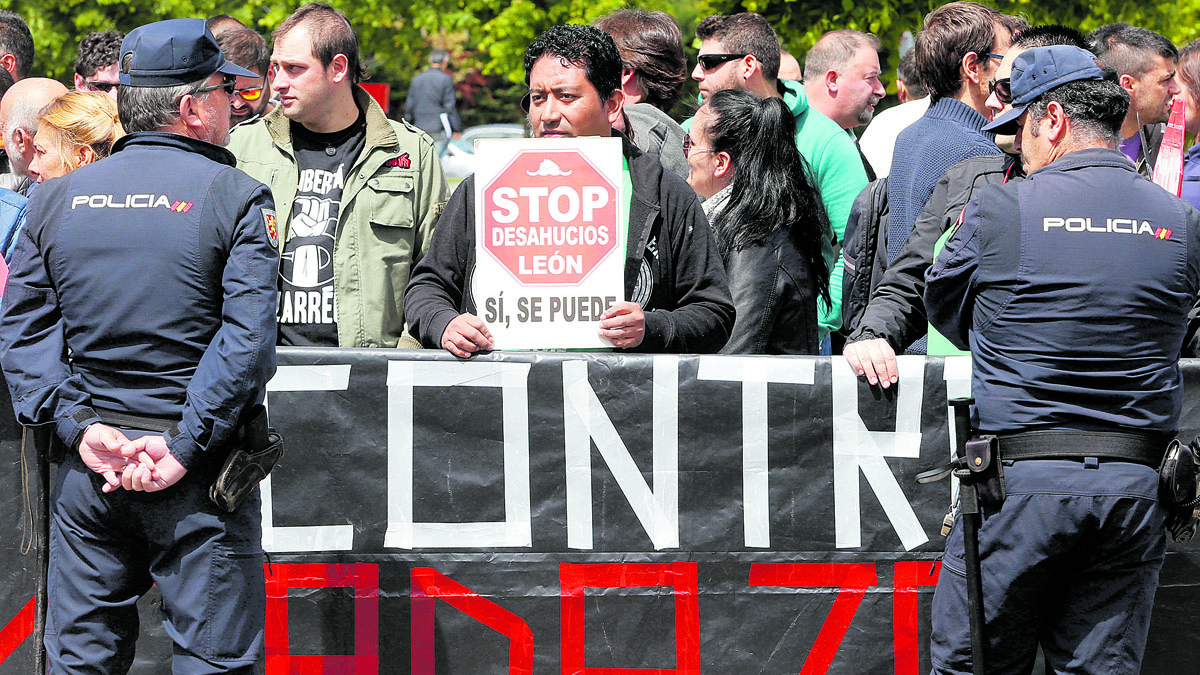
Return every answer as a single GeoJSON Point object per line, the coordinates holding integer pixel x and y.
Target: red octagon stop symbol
{"type": "Point", "coordinates": [550, 217]}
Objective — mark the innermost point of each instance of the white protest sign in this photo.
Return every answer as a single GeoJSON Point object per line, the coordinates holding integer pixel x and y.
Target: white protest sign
{"type": "Point", "coordinates": [549, 240]}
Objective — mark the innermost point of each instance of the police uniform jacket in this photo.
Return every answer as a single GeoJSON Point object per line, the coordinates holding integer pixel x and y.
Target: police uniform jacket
{"type": "Point", "coordinates": [144, 284]}
{"type": "Point", "coordinates": [1071, 289]}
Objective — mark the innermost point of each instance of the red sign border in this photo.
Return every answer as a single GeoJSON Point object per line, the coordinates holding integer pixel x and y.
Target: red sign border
{"type": "Point", "coordinates": [506, 167]}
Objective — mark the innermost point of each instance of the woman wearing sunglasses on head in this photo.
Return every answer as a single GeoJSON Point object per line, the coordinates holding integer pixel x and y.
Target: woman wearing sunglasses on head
{"type": "Point", "coordinates": [767, 217]}
{"type": "Point", "coordinates": [75, 129]}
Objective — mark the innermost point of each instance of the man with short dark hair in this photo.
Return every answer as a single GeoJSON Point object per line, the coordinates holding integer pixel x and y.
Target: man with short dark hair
{"type": "Point", "coordinates": [430, 102]}
{"type": "Point", "coordinates": [96, 64]}
{"type": "Point", "coordinates": [1075, 334]}
{"type": "Point", "coordinates": [679, 300]}
{"type": "Point", "coordinates": [252, 97]}
{"type": "Point", "coordinates": [358, 194]}
{"type": "Point", "coordinates": [654, 69]}
{"type": "Point", "coordinates": [957, 52]}
{"type": "Point", "coordinates": [16, 46]}
{"type": "Point", "coordinates": [1144, 62]}
{"type": "Point", "coordinates": [742, 51]}
{"type": "Point", "coordinates": [841, 77]}
{"type": "Point", "coordinates": [138, 323]}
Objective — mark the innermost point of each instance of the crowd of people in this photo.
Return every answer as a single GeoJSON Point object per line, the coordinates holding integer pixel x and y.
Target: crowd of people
{"type": "Point", "coordinates": [909, 158]}
{"type": "Point", "coordinates": [201, 197]}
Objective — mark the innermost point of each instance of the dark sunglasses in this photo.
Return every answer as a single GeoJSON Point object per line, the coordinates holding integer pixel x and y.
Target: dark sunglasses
{"type": "Point", "coordinates": [711, 61]}
{"type": "Point", "coordinates": [688, 145]}
{"type": "Point", "coordinates": [101, 86]}
{"type": "Point", "coordinates": [228, 84]}
{"type": "Point", "coordinates": [1002, 88]}
{"type": "Point", "coordinates": [249, 93]}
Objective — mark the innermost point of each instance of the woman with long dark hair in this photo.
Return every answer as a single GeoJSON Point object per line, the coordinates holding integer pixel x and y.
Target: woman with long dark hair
{"type": "Point", "coordinates": [767, 217]}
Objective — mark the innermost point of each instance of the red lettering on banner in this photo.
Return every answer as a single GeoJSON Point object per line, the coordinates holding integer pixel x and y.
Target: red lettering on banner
{"type": "Point", "coordinates": [363, 578]}
{"type": "Point", "coordinates": [906, 578]}
{"type": "Point", "coordinates": [428, 586]}
{"type": "Point", "coordinates": [853, 580]}
{"type": "Point", "coordinates": [16, 630]}
{"type": "Point", "coordinates": [680, 576]}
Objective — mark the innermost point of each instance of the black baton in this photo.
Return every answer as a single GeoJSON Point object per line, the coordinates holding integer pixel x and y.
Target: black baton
{"type": "Point", "coordinates": [43, 437]}
{"type": "Point", "coordinates": [968, 500]}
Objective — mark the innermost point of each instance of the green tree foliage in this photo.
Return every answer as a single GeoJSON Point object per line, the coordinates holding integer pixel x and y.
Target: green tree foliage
{"type": "Point", "coordinates": [800, 23]}
{"type": "Point", "coordinates": [392, 33]}
{"type": "Point", "coordinates": [487, 36]}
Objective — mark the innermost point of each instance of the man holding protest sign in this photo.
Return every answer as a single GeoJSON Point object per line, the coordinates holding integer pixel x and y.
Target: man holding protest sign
{"type": "Point", "coordinates": [675, 295]}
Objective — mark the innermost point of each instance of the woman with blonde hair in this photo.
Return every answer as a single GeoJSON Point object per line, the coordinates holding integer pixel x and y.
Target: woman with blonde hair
{"type": "Point", "coordinates": [75, 129]}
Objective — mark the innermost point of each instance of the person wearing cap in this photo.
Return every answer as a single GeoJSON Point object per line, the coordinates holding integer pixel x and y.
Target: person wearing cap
{"type": "Point", "coordinates": [358, 194]}
{"type": "Point", "coordinates": [1071, 290]}
{"type": "Point", "coordinates": [139, 324]}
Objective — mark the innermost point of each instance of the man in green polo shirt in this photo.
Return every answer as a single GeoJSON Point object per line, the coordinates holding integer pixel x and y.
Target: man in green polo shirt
{"type": "Point", "coordinates": [742, 51]}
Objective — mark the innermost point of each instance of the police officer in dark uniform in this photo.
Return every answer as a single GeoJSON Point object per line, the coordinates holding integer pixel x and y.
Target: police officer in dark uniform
{"type": "Point", "coordinates": [143, 292]}
{"type": "Point", "coordinates": [1071, 290]}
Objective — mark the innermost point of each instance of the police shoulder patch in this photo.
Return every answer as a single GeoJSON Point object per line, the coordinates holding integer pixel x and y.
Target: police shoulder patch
{"type": "Point", "coordinates": [272, 229]}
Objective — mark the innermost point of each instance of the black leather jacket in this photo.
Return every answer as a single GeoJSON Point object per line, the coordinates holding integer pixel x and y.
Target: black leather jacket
{"type": "Point", "coordinates": [775, 298]}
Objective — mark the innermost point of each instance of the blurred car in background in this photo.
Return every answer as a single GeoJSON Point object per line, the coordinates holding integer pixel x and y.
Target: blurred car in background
{"type": "Point", "coordinates": [458, 159]}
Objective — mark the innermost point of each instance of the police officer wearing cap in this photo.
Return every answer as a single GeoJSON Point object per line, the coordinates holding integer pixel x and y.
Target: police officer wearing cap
{"type": "Point", "coordinates": [139, 322]}
{"type": "Point", "coordinates": [1071, 289]}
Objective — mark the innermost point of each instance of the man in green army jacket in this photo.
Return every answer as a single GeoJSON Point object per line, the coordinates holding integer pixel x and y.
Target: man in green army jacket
{"type": "Point", "coordinates": [357, 194]}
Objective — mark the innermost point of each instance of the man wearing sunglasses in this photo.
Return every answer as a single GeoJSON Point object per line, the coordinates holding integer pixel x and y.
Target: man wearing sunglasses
{"type": "Point", "coordinates": [96, 65]}
{"type": "Point", "coordinates": [894, 318]}
{"type": "Point", "coordinates": [741, 51]}
{"type": "Point", "coordinates": [956, 52]}
{"type": "Point", "coordinates": [251, 95]}
{"type": "Point", "coordinates": [162, 294]}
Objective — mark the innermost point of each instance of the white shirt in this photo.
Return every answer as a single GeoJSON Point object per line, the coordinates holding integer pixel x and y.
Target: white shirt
{"type": "Point", "coordinates": [879, 140]}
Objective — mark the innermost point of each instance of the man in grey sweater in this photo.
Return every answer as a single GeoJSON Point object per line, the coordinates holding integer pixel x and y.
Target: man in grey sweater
{"type": "Point", "coordinates": [430, 96]}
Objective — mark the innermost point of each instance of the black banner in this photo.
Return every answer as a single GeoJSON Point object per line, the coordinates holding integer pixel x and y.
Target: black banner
{"type": "Point", "coordinates": [598, 513]}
